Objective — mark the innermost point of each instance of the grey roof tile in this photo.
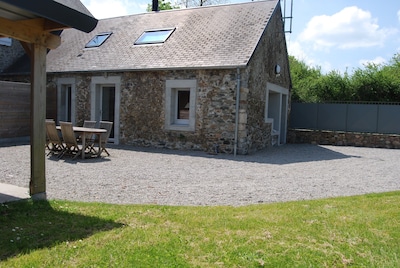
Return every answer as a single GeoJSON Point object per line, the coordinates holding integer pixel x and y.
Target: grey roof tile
{"type": "Point", "coordinates": [206, 37]}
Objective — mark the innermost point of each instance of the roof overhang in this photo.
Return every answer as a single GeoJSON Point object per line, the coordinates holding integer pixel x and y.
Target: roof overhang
{"type": "Point", "coordinates": [35, 21]}
{"type": "Point", "coordinates": [66, 13]}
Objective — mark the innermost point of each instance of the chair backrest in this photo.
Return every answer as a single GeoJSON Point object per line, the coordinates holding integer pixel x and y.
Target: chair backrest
{"type": "Point", "coordinates": [91, 124]}
{"type": "Point", "coordinates": [51, 131]}
{"type": "Point", "coordinates": [107, 126]}
{"type": "Point", "coordinates": [68, 134]}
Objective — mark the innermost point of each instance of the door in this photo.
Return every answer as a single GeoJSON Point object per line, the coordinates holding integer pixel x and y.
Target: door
{"type": "Point", "coordinates": [64, 106]}
{"type": "Point", "coordinates": [105, 98]}
{"type": "Point", "coordinates": [66, 100]}
{"type": "Point", "coordinates": [105, 105]}
{"type": "Point", "coordinates": [276, 112]}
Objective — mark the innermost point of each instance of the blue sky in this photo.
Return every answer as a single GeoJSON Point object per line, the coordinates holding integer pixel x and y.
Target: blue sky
{"type": "Point", "coordinates": [333, 34]}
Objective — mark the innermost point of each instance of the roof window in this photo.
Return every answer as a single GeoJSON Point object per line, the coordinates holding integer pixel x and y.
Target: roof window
{"type": "Point", "coordinates": [154, 36]}
{"type": "Point", "coordinates": [6, 41]}
{"type": "Point", "coordinates": [98, 40]}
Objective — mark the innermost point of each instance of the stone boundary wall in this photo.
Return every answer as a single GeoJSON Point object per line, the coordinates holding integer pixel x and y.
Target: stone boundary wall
{"type": "Point", "coordinates": [340, 138]}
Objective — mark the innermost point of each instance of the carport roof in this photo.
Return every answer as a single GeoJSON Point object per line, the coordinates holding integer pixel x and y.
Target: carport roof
{"type": "Point", "coordinates": [71, 13]}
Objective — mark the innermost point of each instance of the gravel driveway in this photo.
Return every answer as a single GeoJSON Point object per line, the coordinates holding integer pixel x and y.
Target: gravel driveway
{"type": "Point", "coordinates": [153, 176]}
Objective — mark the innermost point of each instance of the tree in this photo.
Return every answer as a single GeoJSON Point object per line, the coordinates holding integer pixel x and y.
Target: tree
{"type": "Point", "coordinates": [375, 82]}
{"type": "Point", "coordinates": [162, 5]}
{"type": "Point", "coordinates": [303, 78]}
{"type": "Point", "coordinates": [200, 3]}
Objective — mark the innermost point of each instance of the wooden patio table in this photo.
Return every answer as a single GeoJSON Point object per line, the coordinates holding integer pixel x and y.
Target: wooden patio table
{"type": "Point", "coordinates": [86, 131]}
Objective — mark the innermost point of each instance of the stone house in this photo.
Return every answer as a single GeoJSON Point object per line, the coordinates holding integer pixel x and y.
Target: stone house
{"type": "Point", "coordinates": [212, 78]}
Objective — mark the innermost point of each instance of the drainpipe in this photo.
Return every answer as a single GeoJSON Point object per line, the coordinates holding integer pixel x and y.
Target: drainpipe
{"type": "Point", "coordinates": [237, 111]}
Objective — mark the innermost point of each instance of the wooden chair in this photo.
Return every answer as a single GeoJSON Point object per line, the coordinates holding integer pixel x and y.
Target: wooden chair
{"type": "Point", "coordinates": [88, 123]}
{"type": "Point", "coordinates": [54, 142]}
{"type": "Point", "coordinates": [71, 144]}
{"type": "Point", "coordinates": [104, 136]}
{"type": "Point", "coordinates": [89, 137]}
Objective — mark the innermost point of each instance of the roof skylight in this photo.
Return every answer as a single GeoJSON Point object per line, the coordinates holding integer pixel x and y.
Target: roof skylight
{"type": "Point", "coordinates": [98, 40]}
{"type": "Point", "coordinates": [154, 36]}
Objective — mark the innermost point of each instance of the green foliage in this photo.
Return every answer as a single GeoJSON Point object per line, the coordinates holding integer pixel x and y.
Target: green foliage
{"type": "Point", "coordinates": [357, 231]}
{"type": "Point", "coordinates": [162, 5]}
{"type": "Point", "coordinates": [372, 83]}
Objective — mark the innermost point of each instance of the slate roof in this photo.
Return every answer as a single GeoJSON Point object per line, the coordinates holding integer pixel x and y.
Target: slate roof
{"type": "Point", "coordinates": [222, 36]}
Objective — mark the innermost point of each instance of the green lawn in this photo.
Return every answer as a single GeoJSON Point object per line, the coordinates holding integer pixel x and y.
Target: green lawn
{"type": "Point", "coordinates": [359, 231]}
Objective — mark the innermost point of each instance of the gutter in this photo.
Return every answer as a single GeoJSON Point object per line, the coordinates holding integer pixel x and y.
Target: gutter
{"type": "Point", "coordinates": [237, 111]}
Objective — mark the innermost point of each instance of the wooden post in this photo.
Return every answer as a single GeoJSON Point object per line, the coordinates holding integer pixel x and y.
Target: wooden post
{"type": "Point", "coordinates": [37, 185]}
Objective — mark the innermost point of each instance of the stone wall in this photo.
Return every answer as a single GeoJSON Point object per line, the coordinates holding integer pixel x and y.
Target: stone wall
{"type": "Point", "coordinates": [270, 51]}
{"type": "Point", "coordinates": [142, 108]}
{"type": "Point", "coordinates": [325, 137]}
{"type": "Point", "coordinates": [9, 54]}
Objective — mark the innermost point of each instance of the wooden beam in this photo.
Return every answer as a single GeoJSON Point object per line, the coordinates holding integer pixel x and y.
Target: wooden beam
{"type": "Point", "coordinates": [30, 31]}
{"type": "Point", "coordinates": [37, 185]}
{"type": "Point", "coordinates": [28, 48]}
{"type": "Point", "coordinates": [50, 26]}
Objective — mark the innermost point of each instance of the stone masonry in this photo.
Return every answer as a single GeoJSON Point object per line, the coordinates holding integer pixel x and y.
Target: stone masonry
{"type": "Point", "coordinates": [340, 138]}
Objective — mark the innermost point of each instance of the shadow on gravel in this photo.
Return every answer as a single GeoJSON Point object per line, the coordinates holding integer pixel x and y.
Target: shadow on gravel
{"type": "Point", "coordinates": [280, 155]}
{"type": "Point", "coordinates": [70, 160]}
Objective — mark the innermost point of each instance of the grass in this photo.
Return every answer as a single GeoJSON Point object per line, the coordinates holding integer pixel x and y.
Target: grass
{"type": "Point", "coordinates": [359, 231]}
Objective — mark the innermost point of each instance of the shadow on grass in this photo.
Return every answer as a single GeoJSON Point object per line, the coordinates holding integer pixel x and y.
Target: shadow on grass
{"type": "Point", "coordinates": [29, 225]}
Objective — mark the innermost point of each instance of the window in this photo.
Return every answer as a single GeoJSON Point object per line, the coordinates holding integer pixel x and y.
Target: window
{"type": "Point", "coordinates": [183, 100]}
{"type": "Point", "coordinates": [98, 40]}
{"type": "Point", "coordinates": [66, 99]}
{"type": "Point", "coordinates": [154, 36]}
{"type": "Point", "coordinates": [180, 105]}
{"type": "Point", "coordinates": [65, 105]}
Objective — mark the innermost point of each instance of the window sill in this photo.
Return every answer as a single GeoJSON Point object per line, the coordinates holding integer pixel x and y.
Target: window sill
{"type": "Point", "coordinates": [180, 127]}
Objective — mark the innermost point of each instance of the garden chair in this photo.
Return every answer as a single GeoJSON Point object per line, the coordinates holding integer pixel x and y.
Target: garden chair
{"type": "Point", "coordinates": [71, 144]}
{"type": "Point", "coordinates": [54, 142]}
{"type": "Point", "coordinates": [89, 137]}
{"type": "Point", "coordinates": [104, 136]}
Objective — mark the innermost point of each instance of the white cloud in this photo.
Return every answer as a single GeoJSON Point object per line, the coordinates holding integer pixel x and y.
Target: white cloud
{"type": "Point", "coordinates": [398, 15]}
{"type": "Point", "coordinates": [352, 27]}
{"type": "Point", "coordinates": [377, 60]}
{"type": "Point", "coordinates": [296, 50]}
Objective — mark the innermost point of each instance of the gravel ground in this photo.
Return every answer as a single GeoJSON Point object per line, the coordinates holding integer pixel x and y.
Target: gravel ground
{"type": "Point", "coordinates": [153, 176]}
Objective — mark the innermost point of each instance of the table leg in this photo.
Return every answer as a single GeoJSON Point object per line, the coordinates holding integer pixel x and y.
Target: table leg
{"type": "Point", "coordinates": [83, 145]}
{"type": "Point", "coordinates": [99, 151]}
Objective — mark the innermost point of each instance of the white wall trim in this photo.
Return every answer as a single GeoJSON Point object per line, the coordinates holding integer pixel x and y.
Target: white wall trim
{"type": "Point", "coordinates": [278, 129]}
{"type": "Point", "coordinates": [107, 80]}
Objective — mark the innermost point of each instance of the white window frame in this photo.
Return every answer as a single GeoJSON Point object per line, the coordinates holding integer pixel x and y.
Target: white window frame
{"type": "Point", "coordinates": [171, 104]}
{"type": "Point", "coordinates": [93, 42]}
{"type": "Point", "coordinates": [164, 37]}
